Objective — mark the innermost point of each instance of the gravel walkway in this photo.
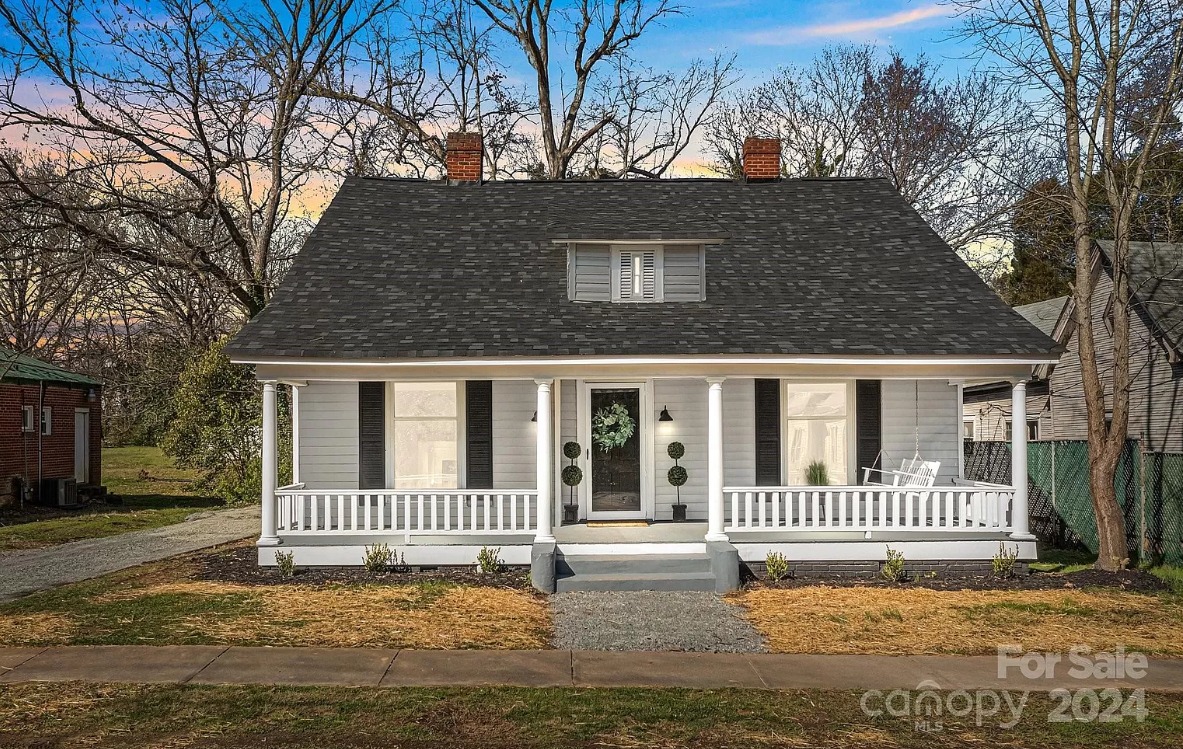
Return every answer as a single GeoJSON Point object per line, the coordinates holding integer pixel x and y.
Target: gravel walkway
{"type": "Point", "coordinates": [647, 620]}
{"type": "Point", "coordinates": [23, 572]}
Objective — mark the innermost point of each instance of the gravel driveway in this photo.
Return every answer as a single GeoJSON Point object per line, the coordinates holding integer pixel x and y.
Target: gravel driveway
{"type": "Point", "coordinates": [647, 620]}
{"type": "Point", "coordinates": [23, 572]}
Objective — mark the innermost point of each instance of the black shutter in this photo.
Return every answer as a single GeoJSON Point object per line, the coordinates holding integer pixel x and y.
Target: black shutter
{"type": "Point", "coordinates": [767, 432]}
{"type": "Point", "coordinates": [371, 435]}
{"type": "Point", "coordinates": [868, 411]}
{"type": "Point", "coordinates": [478, 419]}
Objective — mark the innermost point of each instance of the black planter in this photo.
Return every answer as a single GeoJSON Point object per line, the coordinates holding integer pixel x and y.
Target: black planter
{"type": "Point", "coordinates": [679, 513]}
{"type": "Point", "coordinates": [570, 514]}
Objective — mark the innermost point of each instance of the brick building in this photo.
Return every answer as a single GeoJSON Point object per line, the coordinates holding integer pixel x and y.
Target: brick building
{"type": "Point", "coordinates": [50, 429]}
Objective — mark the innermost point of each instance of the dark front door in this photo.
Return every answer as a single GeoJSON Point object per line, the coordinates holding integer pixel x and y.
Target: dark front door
{"type": "Point", "coordinates": [616, 461]}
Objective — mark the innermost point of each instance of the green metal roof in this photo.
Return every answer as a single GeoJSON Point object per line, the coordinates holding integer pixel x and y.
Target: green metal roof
{"type": "Point", "coordinates": [16, 367]}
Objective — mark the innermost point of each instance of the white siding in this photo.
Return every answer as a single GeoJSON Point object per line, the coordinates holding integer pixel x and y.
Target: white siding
{"type": "Point", "coordinates": [940, 424]}
{"type": "Point", "coordinates": [328, 435]}
{"type": "Point", "coordinates": [590, 278]}
{"type": "Point", "coordinates": [682, 273]}
{"type": "Point", "coordinates": [687, 403]}
{"type": "Point", "coordinates": [514, 449]}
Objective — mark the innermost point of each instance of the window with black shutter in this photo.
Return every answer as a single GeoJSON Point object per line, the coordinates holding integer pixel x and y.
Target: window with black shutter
{"type": "Point", "coordinates": [768, 456]}
{"type": "Point", "coordinates": [371, 434]}
{"type": "Point", "coordinates": [868, 411]}
{"type": "Point", "coordinates": [478, 419]}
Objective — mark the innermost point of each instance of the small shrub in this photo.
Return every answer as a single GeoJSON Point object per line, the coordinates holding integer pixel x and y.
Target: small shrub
{"type": "Point", "coordinates": [816, 474]}
{"type": "Point", "coordinates": [1004, 561]}
{"type": "Point", "coordinates": [286, 562]}
{"type": "Point", "coordinates": [572, 475]}
{"type": "Point", "coordinates": [675, 450]}
{"type": "Point", "coordinates": [489, 560]}
{"type": "Point", "coordinates": [677, 476]}
{"type": "Point", "coordinates": [777, 567]}
{"type": "Point", "coordinates": [893, 568]}
{"type": "Point", "coordinates": [378, 558]}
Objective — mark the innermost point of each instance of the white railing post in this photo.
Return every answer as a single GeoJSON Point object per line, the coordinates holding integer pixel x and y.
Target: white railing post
{"type": "Point", "coordinates": [545, 463]}
{"type": "Point", "coordinates": [1018, 461]}
{"type": "Point", "coordinates": [269, 535]}
{"type": "Point", "coordinates": [715, 509]}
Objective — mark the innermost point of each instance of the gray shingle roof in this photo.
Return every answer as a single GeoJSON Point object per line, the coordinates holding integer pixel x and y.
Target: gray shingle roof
{"type": "Point", "coordinates": [407, 268]}
{"type": "Point", "coordinates": [1044, 315]}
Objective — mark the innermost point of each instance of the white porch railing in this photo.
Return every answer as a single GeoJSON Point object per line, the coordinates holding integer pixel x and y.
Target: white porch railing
{"type": "Point", "coordinates": [981, 507]}
{"type": "Point", "coordinates": [321, 511]}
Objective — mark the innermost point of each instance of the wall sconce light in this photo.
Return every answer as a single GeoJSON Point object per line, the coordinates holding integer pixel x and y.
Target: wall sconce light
{"type": "Point", "coordinates": [534, 418]}
{"type": "Point", "coordinates": [92, 395]}
{"type": "Point", "coordinates": [665, 414]}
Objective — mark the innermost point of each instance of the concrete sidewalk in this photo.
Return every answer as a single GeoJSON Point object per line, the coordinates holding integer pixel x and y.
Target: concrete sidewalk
{"type": "Point", "coordinates": [26, 571]}
{"type": "Point", "coordinates": [211, 664]}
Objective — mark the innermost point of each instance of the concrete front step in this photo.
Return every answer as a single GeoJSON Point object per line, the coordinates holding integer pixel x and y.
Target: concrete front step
{"type": "Point", "coordinates": [593, 564]}
{"type": "Point", "coordinates": [664, 581]}
{"type": "Point", "coordinates": [638, 572]}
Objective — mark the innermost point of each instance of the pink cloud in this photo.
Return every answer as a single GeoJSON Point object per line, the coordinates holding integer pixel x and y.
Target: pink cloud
{"type": "Point", "coordinates": [856, 27]}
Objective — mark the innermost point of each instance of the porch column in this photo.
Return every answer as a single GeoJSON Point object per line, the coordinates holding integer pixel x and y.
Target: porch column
{"type": "Point", "coordinates": [1018, 461]}
{"type": "Point", "coordinates": [295, 433]}
{"type": "Point", "coordinates": [269, 537]}
{"type": "Point", "coordinates": [545, 463]}
{"type": "Point", "coordinates": [715, 460]}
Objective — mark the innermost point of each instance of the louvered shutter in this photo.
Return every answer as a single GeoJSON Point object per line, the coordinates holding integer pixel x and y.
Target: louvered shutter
{"type": "Point", "coordinates": [767, 432]}
{"type": "Point", "coordinates": [371, 434]}
{"type": "Point", "coordinates": [478, 420]}
{"type": "Point", "coordinates": [636, 275]}
{"type": "Point", "coordinates": [868, 415]}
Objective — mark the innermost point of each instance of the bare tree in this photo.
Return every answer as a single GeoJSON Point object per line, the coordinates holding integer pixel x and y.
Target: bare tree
{"type": "Point", "coordinates": [599, 31]}
{"type": "Point", "coordinates": [954, 149]}
{"type": "Point", "coordinates": [175, 110]}
{"type": "Point", "coordinates": [1081, 56]}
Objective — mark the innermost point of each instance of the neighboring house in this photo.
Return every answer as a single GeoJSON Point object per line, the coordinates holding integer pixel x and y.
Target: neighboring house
{"type": "Point", "coordinates": [987, 407]}
{"type": "Point", "coordinates": [1156, 357]}
{"type": "Point", "coordinates": [50, 431]}
{"type": "Point", "coordinates": [445, 339]}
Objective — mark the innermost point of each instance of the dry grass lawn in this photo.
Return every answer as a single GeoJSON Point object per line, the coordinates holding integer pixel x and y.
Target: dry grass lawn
{"type": "Point", "coordinates": [164, 604]}
{"type": "Point", "coordinates": [899, 621]}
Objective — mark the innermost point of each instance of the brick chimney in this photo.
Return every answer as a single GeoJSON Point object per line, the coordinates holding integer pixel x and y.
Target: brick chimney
{"type": "Point", "coordinates": [464, 154]}
{"type": "Point", "coordinates": [761, 159]}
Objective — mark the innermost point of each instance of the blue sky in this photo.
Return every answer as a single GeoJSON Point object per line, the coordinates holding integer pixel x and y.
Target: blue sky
{"type": "Point", "coordinates": [766, 34]}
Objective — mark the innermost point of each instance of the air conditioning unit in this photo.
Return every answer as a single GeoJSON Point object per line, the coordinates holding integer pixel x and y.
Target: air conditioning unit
{"type": "Point", "coordinates": [59, 492]}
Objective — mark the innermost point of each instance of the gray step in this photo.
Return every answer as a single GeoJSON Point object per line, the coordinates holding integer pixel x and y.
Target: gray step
{"type": "Point", "coordinates": [607, 564]}
{"type": "Point", "coordinates": [664, 581]}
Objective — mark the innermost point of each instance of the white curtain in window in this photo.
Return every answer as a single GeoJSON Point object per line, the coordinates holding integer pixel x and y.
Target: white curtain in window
{"type": "Point", "coordinates": [815, 430]}
{"type": "Point", "coordinates": [425, 435]}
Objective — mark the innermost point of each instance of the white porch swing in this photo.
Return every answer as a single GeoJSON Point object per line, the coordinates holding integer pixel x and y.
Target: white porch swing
{"type": "Point", "coordinates": [914, 472]}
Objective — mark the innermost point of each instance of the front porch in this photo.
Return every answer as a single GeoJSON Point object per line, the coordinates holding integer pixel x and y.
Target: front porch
{"type": "Point", "coordinates": [327, 518]}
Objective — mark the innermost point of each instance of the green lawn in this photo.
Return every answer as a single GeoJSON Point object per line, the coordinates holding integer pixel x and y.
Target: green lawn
{"type": "Point", "coordinates": [45, 715]}
{"type": "Point", "coordinates": [154, 493]}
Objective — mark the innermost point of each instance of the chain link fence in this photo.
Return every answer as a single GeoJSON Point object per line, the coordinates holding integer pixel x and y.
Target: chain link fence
{"type": "Point", "coordinates": [1149, 490]}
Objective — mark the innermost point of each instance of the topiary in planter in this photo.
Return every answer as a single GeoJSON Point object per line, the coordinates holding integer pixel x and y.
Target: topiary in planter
{"type": "Point", "coordinates": [677, 476]}
{"type": "Point", "coordinates": [572, 476]}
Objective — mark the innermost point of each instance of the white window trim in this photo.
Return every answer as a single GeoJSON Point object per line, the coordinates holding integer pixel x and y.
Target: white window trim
{"type": "Point", "coordinates": [973, 434]}
{"type": "Point", "coordinates": [461, 435]}
{"type": "Point", "coordinates": [851, 422]}
{"type": "Point", "coordinates": [47, 421]}
{"type": "Point", "coordinates": [29, 419]}
{"type": "Point", "coordinates": [658, 251]}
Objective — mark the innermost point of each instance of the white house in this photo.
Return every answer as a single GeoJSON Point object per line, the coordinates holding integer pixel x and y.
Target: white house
{"type": "Point", "coordinates": [445, 339]}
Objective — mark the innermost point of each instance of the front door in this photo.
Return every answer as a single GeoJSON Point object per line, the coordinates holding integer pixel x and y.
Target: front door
{"type": "Point", "coordinates": [617, 487]}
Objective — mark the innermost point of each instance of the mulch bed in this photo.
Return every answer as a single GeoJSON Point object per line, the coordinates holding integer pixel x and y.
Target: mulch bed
{"type": "Point", "coordinates": [239, 564]}
{"type": "Point", "coordinates": [1134, 581]}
